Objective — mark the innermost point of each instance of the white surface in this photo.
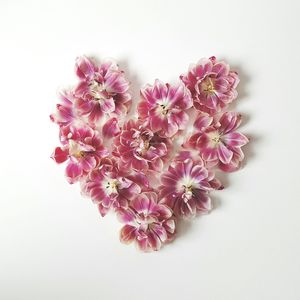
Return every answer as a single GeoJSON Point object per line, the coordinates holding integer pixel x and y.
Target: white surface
{"type": "Point", "coordinates": [53, 243]}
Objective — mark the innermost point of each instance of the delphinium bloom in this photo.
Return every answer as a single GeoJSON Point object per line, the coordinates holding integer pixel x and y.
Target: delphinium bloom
{"type": "Point", "coordinates": [186, 186]}
{"type": "Point", "coordinates": [164, 107]}
{"type": "Point", "coordinates": [148, 223]}
{"type": "Point", "coordinates": [102, 89]}
{"type": "Point", "coordinates": [219, 143]}
{"type": "Point", "coordinates": [110, 187]}
{"type": "Point", "coordinates": [82, 148]}
{"type": "Point", "coordinates": [141, 149]}
{"type": "Point", "coordinates": [212, 84]}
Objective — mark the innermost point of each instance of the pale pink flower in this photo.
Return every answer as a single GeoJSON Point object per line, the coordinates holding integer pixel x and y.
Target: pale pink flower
{"type": "Point", "coordinates": [212, 84]}
{"type": "Point", "coordinates": [102, 89]}
{"type": "Point", "coordinates": [82, 148]}
{"type": "Point", "coordinates": [220, 144]}
{"type": "Point", "coordinates": [109, 187]}
{"type": "Point", "coordinates": [141, 149]}
{"type": "Point", "coordinates": [148, 223]}
{"type": "Point", "coordinates": [186, 186]}
{"type": "Point", "coordinates": [164, 106]}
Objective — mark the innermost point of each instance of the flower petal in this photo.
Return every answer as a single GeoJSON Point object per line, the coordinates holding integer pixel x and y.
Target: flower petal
{"type": "Point", "coordinates": [88, 163]}
{"type": "Point", "coordinates": [127, 234]}
{"type": "Point", "coordinates": [203, 202]}
{"type": "Point", "coordinates": [209, 154]}
{"type": "Point", "coordinates": [141, 204]}
{"type": "Point", "coordinates": [73, 172]}
{"type": "Point", "coordinates": [60, 155]}
{"type": "Point", "coordinates": [115, 82]}
{"type": "Point", "coordinates": [202, 122]}
{"type": "Point", "coordinates": [110, 128]}
{"type": "Point", "coordinates": [230, 121]}
{"type": "Point", "coordinates": [84, 68]}
{"type": "Point", "coordinates": [108, 105]}
{"type": "Point", "coordinates": [171, 129]}
{"type": "Point", "coordinates": [160, 232]}
{"type": "Point", "coordinates": [103, 210]}
{"type": "Point", "coordinates": [157, 164]}
{"type": "Point", "coordinates": [235, 139]}
{"type": "Point", "coordinates": [224, 154]}
{"type": "Point", "coordinates": [125, 215]}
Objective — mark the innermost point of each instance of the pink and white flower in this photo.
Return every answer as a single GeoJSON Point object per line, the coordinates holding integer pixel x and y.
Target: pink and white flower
{"type": "Point", "coordinates": [164, 107]}
{"type": "Point", "coordinates": [82, 148]}
{"type": "Point", "coordinates": [109, 187]}
{"type": "Point", "coordinates": [102, 89]}
{"type": "Point", "coordinates": [141, 149]}
{"type": "Point", "coordinates": [220, 144]}
{"type": "Point", "coordinates": [186, 186]}
{"type": "Point", "coordinates": [212, 84]}
{"type": "Point", "coordinates": [148, 223]}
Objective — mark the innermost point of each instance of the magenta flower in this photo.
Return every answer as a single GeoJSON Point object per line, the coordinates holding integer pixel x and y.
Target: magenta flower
{"type": "Point", "coordinates": [212, 84]}
{"type": "Point", "coordinates": [102, 89]}
{"type": "Point", "coordinates": [108, 187]}
{"type": "Point", "coordinates": [148, 223]}
{"type": "Point", "coordinates": [164, 107]}
{"type": "Point", "coordinates": [220, 144]}
{"type": "Point", "coordinates": [141, 149]}
{"type": "Point", "coordinates": [83, 149]}
{"type": "Point", "coordinates": [186, 186]}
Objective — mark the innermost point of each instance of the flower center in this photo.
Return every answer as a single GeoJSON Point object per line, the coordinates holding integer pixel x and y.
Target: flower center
{"type": "Point", "coordinates": [163, 107]}
{"type": "Point", "coordinates": [97, 90]}
{"type": "Point", "coordinates": [144, 221]}
{"type": "Point", "coordinates": [186, 186]}
{"type": "Point", "coordinates": [75, 149]}
{"type": "Point", "coordinates": [111, 186]}
{"type": "Point", "coordinates": [143, 143]}
{"type": "Point", "coordinates": [208, 86]}
{"type": "Point", "coordinates": [215, 138]}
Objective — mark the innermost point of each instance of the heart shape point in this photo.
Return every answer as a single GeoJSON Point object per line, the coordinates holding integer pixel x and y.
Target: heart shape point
{"type": "Point", "coordinates": [157, 167]}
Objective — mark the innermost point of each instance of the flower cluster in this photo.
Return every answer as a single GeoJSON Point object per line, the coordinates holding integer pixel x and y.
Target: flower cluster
{"type": "Point", "coordinates": [151, 170]}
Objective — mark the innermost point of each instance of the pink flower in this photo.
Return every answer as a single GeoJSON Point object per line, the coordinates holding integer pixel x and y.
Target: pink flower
{"type": "Point", "coordinates": [220, 144]}
{"type": "Point", "coordinates": [164, 107]}
{"type": "Point", "coordinates": [185, 187]}
{"type": "Point", "coordinates": [102, 89]}
{"type": "Point", "coordinates": [83, 149]}
{"type": "Point", "coordinates": [148, 223]}
{"type": "Point", "coordinates": [212, 84]}
{"type": "Point", "coordinates": [141, 149]}
{"type": "Point", "coordinates": [108, 187]}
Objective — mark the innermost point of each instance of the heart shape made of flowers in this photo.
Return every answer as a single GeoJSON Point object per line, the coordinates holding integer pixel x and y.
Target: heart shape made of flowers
{"type": "Point", "coordinates": [157, 165]}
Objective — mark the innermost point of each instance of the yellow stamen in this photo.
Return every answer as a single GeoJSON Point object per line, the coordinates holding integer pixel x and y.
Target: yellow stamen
{"type": "Point", "coordinates": [208, 86]}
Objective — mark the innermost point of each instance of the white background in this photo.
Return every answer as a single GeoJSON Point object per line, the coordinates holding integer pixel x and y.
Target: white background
{"type": "Point", "coordinates": [53, 243]}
